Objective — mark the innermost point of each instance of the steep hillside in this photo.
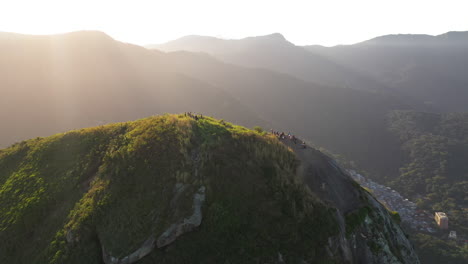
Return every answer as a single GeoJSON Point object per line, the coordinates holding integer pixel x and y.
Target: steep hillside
{"type": "Point", "coordinates": [173, 189]}
{"type": "Point", "coordinates": [431, 69]}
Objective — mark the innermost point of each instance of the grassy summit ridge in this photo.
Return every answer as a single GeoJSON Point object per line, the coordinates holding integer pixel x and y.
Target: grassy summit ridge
{"type": "Point", "coordinates": [66, 197]}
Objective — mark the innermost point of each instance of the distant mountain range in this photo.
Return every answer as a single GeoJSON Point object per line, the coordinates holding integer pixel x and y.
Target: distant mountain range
{"type": "Point", "coordinates": [274, 52]}
{"type": "Point", "coordinates": [452, 38]}
{"type": "Point", "coordinates": [427, 71]}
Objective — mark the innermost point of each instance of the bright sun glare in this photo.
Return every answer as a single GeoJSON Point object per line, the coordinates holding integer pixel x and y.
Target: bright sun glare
{"type": "Point", "coordinates": [302, 22]}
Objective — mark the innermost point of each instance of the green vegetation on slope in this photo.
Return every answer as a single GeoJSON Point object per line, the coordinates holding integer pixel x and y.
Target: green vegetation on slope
{"type": "Point", "coordinates": [355, 219]}
{"type": "Point", "coordinates": [65, 197]}
{"type": "Point", "coordinates": [435, 250]}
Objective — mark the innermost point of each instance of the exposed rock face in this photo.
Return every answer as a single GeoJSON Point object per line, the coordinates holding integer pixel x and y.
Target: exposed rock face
{"type": "Point", "coordinates": [187, 224]}
{"type": "Point", "coordinates": [168, 236]}
{"type": "Point", "coordinates": [144, 250]}
{"type": "Point", "coordinates": [367, 232]}
{"type": "Point", "coordinates": [391, 244]}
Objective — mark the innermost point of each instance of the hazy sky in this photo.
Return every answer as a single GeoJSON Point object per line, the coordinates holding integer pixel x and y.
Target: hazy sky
{"type": "Point", "coordinates": [326, 22]}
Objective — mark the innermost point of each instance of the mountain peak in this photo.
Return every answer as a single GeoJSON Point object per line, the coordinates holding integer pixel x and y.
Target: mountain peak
{"type": "Point", "coordinates": [213, 45]}
{"type": "Point", "coordinates": [399, 39]}
{"type": "Point", "coordinates": [277, 36]}
{"type": "Point", "coordinates": [450, 38]}
{"type": "Point", "coordinates": [454, 36]}
{"type": "Point", "coordinates": [85, 35]}
{"type": "Point", "coordinates": [80, 36]}
{"type": "Point", "coordinates": [125, 193]}
{"type": "Point", "coordinates": [274, 37]}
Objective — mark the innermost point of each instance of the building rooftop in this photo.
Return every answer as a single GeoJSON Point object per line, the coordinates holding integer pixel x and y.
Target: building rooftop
{"type": "Point", "coordinates": [441, 214]}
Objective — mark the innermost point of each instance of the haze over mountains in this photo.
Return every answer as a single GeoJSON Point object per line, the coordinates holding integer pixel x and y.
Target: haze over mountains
{"type": "Point", "coordinates": [56, 83]}
{"type": "Point", "coordinates": [432, 69]}
{"type": "Point", "coordinates": [332, 96]}
{"type": "Point", "coordinates": [276, 53]}
{"type": "Point", "coordinates": [416, 68]}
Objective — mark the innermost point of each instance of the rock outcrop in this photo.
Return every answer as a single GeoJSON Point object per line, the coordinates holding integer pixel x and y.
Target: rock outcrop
{"type": "Point", "coordinates": [167, 237]}
{"type": "Point", "coordinates": [185, 225]}
{"type": "Point", "coordinates": [367, 232]}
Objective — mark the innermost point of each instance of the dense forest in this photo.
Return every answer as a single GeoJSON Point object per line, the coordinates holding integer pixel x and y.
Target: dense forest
{"type": "Point", "coordinates": [436, 170]}
{"type": "Point", "coordinates": [435, 173]}
{"type": "Point", "coordinates": [435, 250]}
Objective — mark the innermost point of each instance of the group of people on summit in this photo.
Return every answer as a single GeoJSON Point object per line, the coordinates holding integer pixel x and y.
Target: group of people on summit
{"type": "Point", "coordinates": [193, 115]}
{"type": "Point", "coordinates": [289, 136]}
{"type": "Point", "coordinates": [279, 135]}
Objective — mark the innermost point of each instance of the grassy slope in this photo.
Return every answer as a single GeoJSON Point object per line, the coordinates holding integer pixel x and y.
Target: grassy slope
{"type": "Point", "coordinates": [112, 186]}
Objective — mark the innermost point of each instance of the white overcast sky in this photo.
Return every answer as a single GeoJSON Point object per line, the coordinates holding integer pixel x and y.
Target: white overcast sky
{"type": "Point", "coordinates": [325, 22]}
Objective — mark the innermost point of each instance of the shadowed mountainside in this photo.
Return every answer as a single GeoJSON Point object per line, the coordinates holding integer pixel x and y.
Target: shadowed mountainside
{"type": "Point", "coordinates": [274, 52]}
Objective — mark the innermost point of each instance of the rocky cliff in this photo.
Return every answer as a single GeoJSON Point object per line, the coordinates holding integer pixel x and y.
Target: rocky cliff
{"type": "Point", "coordinates": [368, 233]}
